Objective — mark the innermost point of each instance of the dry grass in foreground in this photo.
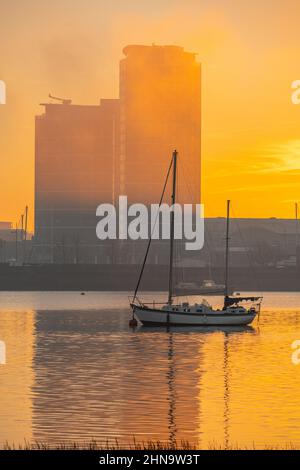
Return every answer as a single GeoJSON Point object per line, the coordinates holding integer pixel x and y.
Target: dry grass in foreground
{"type": "Point", "coordinates": [134, 445]}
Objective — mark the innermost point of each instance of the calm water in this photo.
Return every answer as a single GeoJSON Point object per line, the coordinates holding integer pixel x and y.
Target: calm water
{"type": "Point", "coordinates": [75, 371]}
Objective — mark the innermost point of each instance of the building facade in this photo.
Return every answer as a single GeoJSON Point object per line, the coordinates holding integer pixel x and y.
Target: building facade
{"type": "Point", "coordinates": [160, 110]}
{"type": "Point", "coordinates": [76, 154]}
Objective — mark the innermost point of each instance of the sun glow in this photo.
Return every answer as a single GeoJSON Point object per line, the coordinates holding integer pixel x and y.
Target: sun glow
{"type": "Point", "coordinates": [250, 127]}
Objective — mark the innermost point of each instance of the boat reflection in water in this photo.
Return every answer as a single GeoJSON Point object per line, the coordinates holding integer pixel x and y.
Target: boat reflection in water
{"type": "Point", "coordinates": [172, 371]}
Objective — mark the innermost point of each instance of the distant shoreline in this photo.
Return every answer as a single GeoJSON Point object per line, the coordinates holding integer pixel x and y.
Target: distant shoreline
{"type": "Point", "coordinates": [123, 278]}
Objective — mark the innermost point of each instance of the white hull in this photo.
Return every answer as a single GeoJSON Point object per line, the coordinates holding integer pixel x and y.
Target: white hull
{"type": "Point", "coordinates": [149, 316]}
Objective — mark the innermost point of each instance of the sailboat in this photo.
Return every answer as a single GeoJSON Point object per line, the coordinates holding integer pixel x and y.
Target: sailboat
{"type": "Point", "coordinates": [173, 313]}
{"type": "Point", "coordinates": [207, 287]}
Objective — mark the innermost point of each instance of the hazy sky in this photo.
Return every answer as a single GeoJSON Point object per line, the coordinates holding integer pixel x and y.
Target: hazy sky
{"type": "Point", "coordinates": [250, 54]}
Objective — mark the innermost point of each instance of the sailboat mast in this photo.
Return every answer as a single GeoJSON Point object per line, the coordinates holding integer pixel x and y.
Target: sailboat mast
{"type": "Point", "coordinates": [172, 228]}
{"type": "Point", "coordinates": [297, 234]}
{"type": "Point", "coordinates": [296, 218]}
{"type": "Point", "coordinates": [227, 250]}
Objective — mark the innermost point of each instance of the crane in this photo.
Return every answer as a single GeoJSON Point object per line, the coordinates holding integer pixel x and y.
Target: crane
{"type": "Point", "coordinates": [63, 100]}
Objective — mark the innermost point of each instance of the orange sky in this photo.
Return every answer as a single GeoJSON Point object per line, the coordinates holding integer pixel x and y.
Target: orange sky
{"type": "Point", "coordinates": [250, 54]}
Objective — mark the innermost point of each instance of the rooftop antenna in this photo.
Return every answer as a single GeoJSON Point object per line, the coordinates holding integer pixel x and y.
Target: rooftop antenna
{"type": "Point", "coordinates": [25, 234]}
{"type": "Point", "coordinates": [297, 219]}
{"type": "Point", "coordinates": [62, 100]}
{"type": "Point", "coordinates": [297, 235]}
{"type": "Point", "coordinates": [227, 249]}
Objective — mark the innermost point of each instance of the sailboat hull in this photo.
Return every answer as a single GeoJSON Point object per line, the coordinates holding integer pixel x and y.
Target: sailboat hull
{"type": "Point", "coordinates": [149, 316]}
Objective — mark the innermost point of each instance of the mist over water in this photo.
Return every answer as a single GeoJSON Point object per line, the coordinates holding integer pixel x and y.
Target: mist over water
{"type": "Point", "coordinates": [75, 371]}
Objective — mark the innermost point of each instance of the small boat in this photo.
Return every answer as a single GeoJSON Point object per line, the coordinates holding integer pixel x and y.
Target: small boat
{"type": "Point", "coordinates": [207, 287]}
{"type": "Point", "coordinates": [233, 312]}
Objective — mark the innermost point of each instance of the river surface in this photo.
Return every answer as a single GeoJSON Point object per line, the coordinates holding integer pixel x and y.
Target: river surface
{"type": "Point", "coordinates": [73, 370]}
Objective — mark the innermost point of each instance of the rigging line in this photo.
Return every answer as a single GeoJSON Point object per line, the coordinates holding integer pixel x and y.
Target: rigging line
{"type": "Point", "coordinates": [150, 238]}
{"type": "Point", "coordinates": [190, 187]}
{"type": "Point", "coordinates": [179, 244]}
{"type": "Point", "coordinates": [247, 253]}
{"type": "Point", "coordinates": [180, 249]}
{"type": "Point", "coordinates": [186, 177]}
{"type": "Point", "coordinates": [179, 272]}
{"type": "Point", "coordinates": [185, 180]}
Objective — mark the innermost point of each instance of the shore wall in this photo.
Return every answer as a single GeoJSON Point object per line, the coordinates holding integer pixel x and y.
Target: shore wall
{"type": "Point", "coordinates": [124, 277]}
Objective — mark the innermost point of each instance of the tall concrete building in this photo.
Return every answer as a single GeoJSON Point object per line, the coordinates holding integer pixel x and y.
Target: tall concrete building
{"type": "Point", "coordinates": [76, 169]}
{"type": "Point", "coordinates": [160, 110]}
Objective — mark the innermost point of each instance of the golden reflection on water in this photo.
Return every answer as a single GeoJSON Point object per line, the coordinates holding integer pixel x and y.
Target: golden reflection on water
{"type": "Point", "coordinates": [77, 375]}
{"type": "Point", "coordinates": [17, 375]}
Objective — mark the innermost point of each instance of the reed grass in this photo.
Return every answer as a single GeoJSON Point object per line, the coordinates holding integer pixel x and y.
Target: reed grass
{"type": "Point", "coordinates": [110, 445]}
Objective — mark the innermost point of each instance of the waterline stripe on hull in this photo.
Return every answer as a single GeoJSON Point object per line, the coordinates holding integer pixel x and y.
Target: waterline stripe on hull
{"type": "Point", "coordinates": [149, 323]}
{"type": "Point", "coordinates": [147, 317]}
{"type": "Point", "coordinates": [196, 314]}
